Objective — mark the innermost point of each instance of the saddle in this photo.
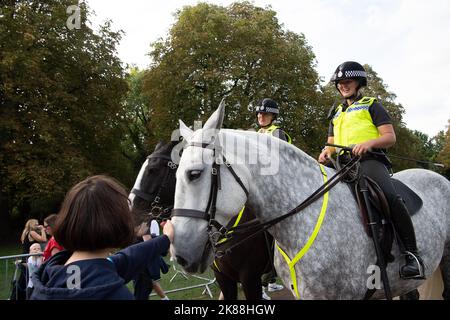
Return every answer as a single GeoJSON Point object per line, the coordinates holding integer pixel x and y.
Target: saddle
{"type": "Point", "coordinates": [382, 211]}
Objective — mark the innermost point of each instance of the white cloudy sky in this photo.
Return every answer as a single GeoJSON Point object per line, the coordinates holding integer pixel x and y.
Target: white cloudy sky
{"type": "Point", "coordinates": [405, 41]}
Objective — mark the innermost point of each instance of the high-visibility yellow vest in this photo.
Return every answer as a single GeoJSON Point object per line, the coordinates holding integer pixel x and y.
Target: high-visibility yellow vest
{"type": "Point", "coordinates": [355, 124]}
{"type": "Point", "coordinates": [271, 129]}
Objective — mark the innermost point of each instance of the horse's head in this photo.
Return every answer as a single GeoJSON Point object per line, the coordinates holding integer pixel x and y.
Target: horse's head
{"type": "Point", "coordinates": [154, 189]}
{"type": "Point", "coordinates": [203, 185]}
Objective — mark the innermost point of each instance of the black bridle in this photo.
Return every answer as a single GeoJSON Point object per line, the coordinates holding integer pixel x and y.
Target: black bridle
{"type": "Point", "coordinates": [210, 212]}
{"type": "Point", "coordinates": [157, 209]}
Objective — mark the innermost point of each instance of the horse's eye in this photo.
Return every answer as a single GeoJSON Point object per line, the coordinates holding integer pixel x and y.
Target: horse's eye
{"type": "Point", "coordinates": [194, 174]}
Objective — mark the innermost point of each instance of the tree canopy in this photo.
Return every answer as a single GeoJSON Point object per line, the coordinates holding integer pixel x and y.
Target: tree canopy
{"type": "Point", "coordinates": [444, 154]}
{"type": "Point", "coordinates": [240, 52]}
{"type": "Point", "coordinates": [61, 116]}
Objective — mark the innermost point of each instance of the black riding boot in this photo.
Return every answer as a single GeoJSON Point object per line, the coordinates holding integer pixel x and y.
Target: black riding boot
{"type": "Point", "coordinates": [414, 267]}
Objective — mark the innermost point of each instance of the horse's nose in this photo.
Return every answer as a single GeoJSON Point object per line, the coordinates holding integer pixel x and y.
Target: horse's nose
{"type": "Point", "coordinates": [182, 262]}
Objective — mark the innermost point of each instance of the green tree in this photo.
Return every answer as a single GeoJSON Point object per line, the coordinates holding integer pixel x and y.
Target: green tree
{"type": "Point", "coordinates": [427, 147]}
{"type": "Point", "coordinates": [60, 91]}
{"type": "Point", "coordinates": [136, 145]}
{"type": "Point", "coordinates": [444, 155]}
{"type": "Point", "coordinates": [241, 52]}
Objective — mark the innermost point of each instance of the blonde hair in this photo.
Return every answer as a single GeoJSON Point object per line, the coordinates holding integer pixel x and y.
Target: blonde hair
{"type": "Point", "coordinates": [35, 245]}
{"type": "Point", "coordinates": [30, 225]}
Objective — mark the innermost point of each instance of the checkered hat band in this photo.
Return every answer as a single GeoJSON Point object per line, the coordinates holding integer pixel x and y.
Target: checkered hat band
{"type": "Point", "coordinates": [267, 109]}
{"type": "Point", "coordinates": [355, 73]}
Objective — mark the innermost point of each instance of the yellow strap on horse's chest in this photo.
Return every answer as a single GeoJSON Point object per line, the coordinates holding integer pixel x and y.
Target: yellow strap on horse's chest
{"type": "Point", "coordinates": [238, 219]}
{"type": "Point", "coordinates": [309, 243]}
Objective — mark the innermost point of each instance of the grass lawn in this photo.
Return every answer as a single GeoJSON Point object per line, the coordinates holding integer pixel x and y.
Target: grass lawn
{"type": "Point", "coordinates": [179, 281]}
{"type": "Point", "coordinates": [7, 272]}
{"type": "Point", "coordinates": [7, 269]}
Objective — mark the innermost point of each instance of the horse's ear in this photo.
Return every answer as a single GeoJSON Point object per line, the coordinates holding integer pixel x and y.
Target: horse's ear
{"type": "Point", "coordinates": [186, 133]}
{"type": "Point", "coordinates": [159, 145]}
{"type": "Point", "coordinates": [216, 120]}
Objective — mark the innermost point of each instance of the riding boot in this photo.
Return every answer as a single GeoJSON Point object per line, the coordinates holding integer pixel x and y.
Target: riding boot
{"type": "Point", "coordinates": [413, 267]}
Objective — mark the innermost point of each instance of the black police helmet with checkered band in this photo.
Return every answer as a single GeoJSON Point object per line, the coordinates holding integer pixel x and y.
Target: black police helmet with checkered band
{"type": "Point", "coordinates": [267, 106]}
{"type": "Point", "coordinates": [350, 70]}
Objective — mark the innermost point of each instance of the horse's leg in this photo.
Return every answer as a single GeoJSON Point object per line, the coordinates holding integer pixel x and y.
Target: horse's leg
{"type": "Point", "coordinates": [445, 270]}
{"type": "Point", "coordinates": [252, 286]}
{"type": "Point", "coordinates": [227, 285]}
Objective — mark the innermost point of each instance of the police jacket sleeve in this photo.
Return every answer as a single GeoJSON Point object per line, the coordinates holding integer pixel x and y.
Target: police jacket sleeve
{"type": "Point", "coordinates": [131, 260]}
{"type": "Point", "coordinates": [379, 114]}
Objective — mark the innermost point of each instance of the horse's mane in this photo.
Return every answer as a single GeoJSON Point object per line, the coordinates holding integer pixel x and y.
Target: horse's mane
{"type": "Point", "coordinates": [165, 149]}
{"type": "Point", "coordinates": [291, 150]}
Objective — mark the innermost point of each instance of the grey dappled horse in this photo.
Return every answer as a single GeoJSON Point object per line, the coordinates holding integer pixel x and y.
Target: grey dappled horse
{"type": "Point", "coordinates": [339, 261]}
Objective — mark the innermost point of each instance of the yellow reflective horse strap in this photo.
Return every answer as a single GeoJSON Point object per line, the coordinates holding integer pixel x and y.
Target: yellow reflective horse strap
{"type": "Point", "coordinates": [309, 243]}
{"type": "Point", "coordinates": [215, 265]}
{"type": "Point", "coordinates": [238, 219]}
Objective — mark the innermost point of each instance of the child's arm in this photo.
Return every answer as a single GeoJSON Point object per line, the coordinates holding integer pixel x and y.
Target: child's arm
{"type": "Point", "coordinates": [131, 260]}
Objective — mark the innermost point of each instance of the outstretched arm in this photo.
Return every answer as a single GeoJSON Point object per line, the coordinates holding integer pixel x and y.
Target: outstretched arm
{"type": "Point", "coordinates": [131, 260]}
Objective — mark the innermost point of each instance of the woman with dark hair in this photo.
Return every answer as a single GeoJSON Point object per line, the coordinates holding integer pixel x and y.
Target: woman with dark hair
{"type": "Point", "coordinates": [52, 246]}
{"type": "Point", "coordinates": [95, 220]}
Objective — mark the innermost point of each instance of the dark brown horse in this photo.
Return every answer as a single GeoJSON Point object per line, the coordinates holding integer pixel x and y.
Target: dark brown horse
{"type": "Point", "coordinates": [153, 193]}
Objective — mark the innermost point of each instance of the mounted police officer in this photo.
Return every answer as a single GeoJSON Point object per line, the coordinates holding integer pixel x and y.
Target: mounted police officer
{"type": "Point", "coordinates": [363, 123]}
{"type": "Point", "coordinates": [266, 112]}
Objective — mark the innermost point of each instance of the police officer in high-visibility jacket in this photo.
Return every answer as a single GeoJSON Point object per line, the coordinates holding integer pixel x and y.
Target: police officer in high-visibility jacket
{"type": "Point", "coordinates": [363, 123]}
{"type": "Point", "coordinates": [267, 111]}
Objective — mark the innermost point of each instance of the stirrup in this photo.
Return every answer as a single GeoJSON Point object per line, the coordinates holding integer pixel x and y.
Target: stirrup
{"type": "Point", "coordinates": [419, 263]}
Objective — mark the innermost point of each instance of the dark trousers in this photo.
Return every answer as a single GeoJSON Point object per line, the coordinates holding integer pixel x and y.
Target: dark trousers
{"type": "Point", "coordinates": [271, 275]}
{"type": "Point", "coordinates": [377, 171]}
{"type": "Point", "coordinates": [399, 212]}
{"type": "Point", "coordinates": [143, 286]}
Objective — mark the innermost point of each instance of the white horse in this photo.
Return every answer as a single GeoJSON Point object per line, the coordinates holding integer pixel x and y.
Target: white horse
{"type": "Point", "coordinates": [329, 254]}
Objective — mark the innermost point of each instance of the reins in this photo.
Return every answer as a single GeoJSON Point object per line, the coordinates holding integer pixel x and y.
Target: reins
{"type": "Point", "coordinates": [263, 226]}
{"type": "Point", "coordinates": [439, 165]}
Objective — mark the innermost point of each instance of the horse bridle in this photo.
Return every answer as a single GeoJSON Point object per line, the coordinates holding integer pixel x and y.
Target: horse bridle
{"type": "Point", "coordinates": [210, 212]}
{"type": "Point", "coordinates": [157, 209]}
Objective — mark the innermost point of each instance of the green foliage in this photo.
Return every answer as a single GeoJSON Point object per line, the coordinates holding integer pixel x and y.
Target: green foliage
{"type": "Point", "coordinates": [136, 144]}
{"type": "Point", "coordinates": [239, 51]}
{"type": "Point", "coordinates": [61, 118]}
{"type": "Point", "coordinates": [444, 154]}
